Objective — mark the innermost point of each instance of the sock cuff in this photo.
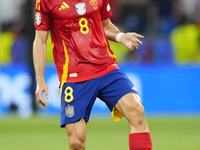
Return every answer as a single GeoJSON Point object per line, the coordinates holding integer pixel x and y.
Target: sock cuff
{"type": "Point", "coordinates": [140, 141]}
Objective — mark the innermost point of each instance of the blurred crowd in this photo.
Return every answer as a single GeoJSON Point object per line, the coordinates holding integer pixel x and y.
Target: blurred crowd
{"type": "Point", "coordinates": [171, 29]}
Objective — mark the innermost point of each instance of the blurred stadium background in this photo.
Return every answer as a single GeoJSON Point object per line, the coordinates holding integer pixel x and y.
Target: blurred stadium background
{"type": "Point", "coordinates": [165, 70]}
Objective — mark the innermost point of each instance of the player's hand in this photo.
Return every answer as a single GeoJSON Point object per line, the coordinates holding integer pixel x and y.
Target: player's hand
{"type": "Point", "coordinates": [41, 87]}
{"type": "Point", "coordinates": [131, 41]}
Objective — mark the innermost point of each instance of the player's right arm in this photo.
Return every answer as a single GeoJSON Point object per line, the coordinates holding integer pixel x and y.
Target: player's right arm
{"type": "Point", "coordinates": [39, 60]}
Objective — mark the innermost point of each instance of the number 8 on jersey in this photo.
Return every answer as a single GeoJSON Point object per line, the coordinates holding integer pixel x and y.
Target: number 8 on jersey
{"type": "Point", "coordinates": [84, 25]}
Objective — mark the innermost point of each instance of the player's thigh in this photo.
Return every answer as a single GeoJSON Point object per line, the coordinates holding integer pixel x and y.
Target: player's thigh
{"type": "Point", "coordinates": [76, 131]}
{"type": "Point", "coordinates": [115, 85]}
{"type": "Point", "coordinates": [129, 104]}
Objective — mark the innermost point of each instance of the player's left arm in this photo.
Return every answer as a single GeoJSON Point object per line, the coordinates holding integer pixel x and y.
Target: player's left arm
{"type": "Point", "coordinates": [130, 39]}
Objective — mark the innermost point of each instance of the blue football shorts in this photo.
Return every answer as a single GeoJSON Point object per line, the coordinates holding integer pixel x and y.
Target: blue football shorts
{"type": "Point", "coordinates": [77, 99]}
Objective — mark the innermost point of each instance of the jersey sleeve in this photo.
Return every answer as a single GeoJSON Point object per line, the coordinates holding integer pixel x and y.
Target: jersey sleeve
{"type": "Point", "coordinates": [42, 18]}
{"type": "Point", "coordinates": [106, 11]}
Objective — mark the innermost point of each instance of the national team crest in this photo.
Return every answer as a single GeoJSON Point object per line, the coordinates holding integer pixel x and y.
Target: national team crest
{"type": "Point", "coordinates": [69, 110]}
{"type": "Point", "coordinates": [38, 18]}
{"type": "Point", "coordinates": [93, 2]}
{"type": "Point", "coordinates": [81, 8]}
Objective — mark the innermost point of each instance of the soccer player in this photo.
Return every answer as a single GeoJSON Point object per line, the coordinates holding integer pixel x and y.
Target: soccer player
{"type": "Point", "coordinates": [87, 68]}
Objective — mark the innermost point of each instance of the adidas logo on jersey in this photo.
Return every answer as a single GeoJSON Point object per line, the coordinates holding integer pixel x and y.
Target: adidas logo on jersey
{"type": "Point", "coordinates": [63, 6]}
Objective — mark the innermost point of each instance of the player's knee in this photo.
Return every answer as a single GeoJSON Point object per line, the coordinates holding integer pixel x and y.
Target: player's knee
{"type": "Point", "coordinates": [137, 105]}
{"type": "Point", "coordinates": [140, 109]}
{"type": "Point", "coordinates": [76, 135]}
{"type": "Point", "coordinates": [136, 109]}
{"type": "Point", "coordinates": [77, 143]}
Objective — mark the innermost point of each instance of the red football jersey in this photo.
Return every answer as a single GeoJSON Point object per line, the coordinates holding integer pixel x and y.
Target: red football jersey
{"type": "Point", "coordinates": [80, 46]}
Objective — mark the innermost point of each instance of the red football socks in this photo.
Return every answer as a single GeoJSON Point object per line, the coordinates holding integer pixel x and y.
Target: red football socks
{"type": "Point", "coordinates": [140, 141]}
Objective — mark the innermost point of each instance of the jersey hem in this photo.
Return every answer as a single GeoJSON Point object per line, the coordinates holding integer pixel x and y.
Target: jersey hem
{"type": "Point", "coordinates": [105, 71]}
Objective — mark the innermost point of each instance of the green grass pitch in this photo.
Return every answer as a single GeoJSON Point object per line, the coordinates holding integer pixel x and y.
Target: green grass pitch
{"type": "Point", "coordinates": [39, 133]}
